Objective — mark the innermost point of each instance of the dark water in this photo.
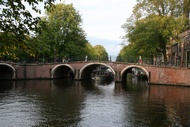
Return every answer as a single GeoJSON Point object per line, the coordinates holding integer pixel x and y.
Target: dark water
{"type": "Point", "coordinates": [64, 103]}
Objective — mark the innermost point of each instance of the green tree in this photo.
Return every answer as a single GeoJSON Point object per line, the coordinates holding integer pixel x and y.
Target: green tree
{"type": "Point", "coordinates": [62, 32]}
{"type": "Point", "coordinates": [153, 34]}
{"type": "Point", "coordinates": [90, 52]}
{"type": "Point", "coordinates": [14, 48]}
{"type": "Point", "coordinates": [153, 25]}
{"type": "Point", "coordinates": [16, 23]}
{"type": "Point", "coordinates": [15, 17]}
{"type": "Point", "coordinates": [101, 53]}
{"type": "Point", "coordinates": [161, 7]}
{"type": "Point", "coordinates": [128, 53]}
{"type": "Point", "coordinates": [176, 8]}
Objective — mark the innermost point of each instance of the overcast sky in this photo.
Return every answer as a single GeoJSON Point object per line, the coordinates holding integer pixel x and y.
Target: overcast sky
{"type": "Point", "coordinates": [102, 21]}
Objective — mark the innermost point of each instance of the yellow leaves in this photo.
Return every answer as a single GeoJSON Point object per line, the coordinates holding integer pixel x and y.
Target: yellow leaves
{"type": "Point", "coordinates": [8, 55]}
{"type": "Point", "coordinates": [32, 54]}
{"type": "Point", "coordinates": [5, 52]}
{"type": "Point", "coordinates": [141, 51]}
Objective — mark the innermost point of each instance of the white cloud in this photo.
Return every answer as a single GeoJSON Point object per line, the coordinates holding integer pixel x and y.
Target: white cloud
{"type": "Point", "coordinates": [103, 18]}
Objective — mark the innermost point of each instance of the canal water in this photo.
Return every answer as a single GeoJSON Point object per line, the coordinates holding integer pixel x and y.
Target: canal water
{"type": "Point", "coordinates": [66, 103]}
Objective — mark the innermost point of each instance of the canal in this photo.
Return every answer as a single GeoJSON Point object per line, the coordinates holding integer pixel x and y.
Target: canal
{"type": "Point", "coordinates": [66, 103]}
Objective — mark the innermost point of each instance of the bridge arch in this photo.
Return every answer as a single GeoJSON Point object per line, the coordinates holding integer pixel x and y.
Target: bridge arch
{"type": "Point", "coordinates": [7, 71]}
{"type": "Point", "coordinates": [86, 70]}
{"type": "Point", "coordinates": [128, 69]}
{"type": "Point", "coordinates": [62, 71]}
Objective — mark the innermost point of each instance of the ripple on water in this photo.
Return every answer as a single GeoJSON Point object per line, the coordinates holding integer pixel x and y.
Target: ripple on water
{"type": "Point", "coordinates": [94, 105]}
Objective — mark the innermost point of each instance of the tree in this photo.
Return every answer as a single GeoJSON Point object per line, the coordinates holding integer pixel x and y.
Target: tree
{"type": "Point", "coordinates": [62, 32]}
{"type": "Point", "coordinates": [12, 47]}
{"type": "Point", "coordinates": [153, 34]}
{"type": "Point", "coordinates": [153, 25]}
{"type": "Point", "coordinates": [176, 8]}
{"type": "Point", "coordinates": [160, 7]}
{"type": "Point", "coordinates": [90, 52]}
{"type": "Point", "coordinates": [15, 17]}
{"type": "Point", "coordinates": [16, 23]}
{"type": "Point", "coordinates": [101, 53]}
{"type": "Point", "coordinates": [129, 53]}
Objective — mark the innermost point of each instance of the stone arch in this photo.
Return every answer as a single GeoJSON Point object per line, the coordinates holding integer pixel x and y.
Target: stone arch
{"type": "Point", "coordinates": [62, 71]}
{"type": "Point", "coordinates": [7, 71]}
{"type": "Point", "coordinates": [123, 72]}
{"type": "Point", "coordinates": [92, 65]}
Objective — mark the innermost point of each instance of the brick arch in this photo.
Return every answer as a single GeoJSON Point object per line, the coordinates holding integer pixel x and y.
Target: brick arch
{"type": "Point", "coordinates": [94, 64]}
{"type": "Point", "coordinates": [134, 66]}
{"type": "Point", "coordinates": [7, 71]}
{"type": "Point", "coordinates": [62, 66]}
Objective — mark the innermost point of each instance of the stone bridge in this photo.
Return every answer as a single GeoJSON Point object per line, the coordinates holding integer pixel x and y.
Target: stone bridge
{"type": "Point", "coordinates": [82, 71]}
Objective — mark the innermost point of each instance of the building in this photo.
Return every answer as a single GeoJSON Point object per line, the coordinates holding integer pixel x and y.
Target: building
{"type": "Point", "coordinates": [180, 51]}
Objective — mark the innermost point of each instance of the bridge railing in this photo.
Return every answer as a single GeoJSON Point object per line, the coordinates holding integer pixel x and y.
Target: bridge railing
{"type": "Point", "coordinates": [82, 58]}
{"type": "Point", "coordinates": [51, 60]}
{"type": "Point", "coordinates": [150, 62]}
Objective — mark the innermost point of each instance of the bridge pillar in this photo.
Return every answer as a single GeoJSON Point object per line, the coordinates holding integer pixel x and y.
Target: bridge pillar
{"type": "Point", "coordinates": [77, 74]}
{"type": "Point", "coordinates": [118, 76]}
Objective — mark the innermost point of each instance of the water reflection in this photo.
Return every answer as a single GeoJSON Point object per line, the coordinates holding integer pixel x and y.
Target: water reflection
{"type": "Point", "coordinates": [6, 85]}
{"type": "Point", "coordinates": [176, 101]}
{"type": "Point", "coordinates": [88, 103]}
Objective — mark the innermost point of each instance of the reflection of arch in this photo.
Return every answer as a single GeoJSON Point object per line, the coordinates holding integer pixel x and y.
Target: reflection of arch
{"type": "Point", "coordinates": [7, 71]}
{"type": "Point", "coordinates": [62, 70]}
{"type": "Point", "coordinates": [93, 65]}
{"type": "Point", "coordinates": [123, 72]}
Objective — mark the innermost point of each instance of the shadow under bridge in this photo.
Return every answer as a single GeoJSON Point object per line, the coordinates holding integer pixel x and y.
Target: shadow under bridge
{"type": "Point", "coordinates": [136, 71]}
{"type": "Point", "coordinates": [62, 71]}
{"type": "Point", "coordinates": [7, 71]}
{"type": "Point", "coordinates": [86, 71]}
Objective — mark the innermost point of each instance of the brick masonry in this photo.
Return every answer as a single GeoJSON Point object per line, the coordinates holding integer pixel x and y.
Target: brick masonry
{"type": "Point", "coordinates": [155, 74]}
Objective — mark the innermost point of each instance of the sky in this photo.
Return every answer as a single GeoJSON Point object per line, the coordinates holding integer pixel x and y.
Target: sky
{"type": "Point", "coordinates": [102, 21]}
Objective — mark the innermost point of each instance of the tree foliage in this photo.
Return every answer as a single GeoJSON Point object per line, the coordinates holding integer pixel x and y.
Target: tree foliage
{"type": "Point", "coordinates": [56, 35]}
{"type": "Point", "coordinates": [16, 18]}
{"type": "Point", "coordinates": [152, 26]}
{"type": "Point", "coordinates": [101, 53]}
{"type": "Point", "coordinates": [128, 54]}
{"type": "Point", "coordinates": [61, 33]}
{"type": "Point", "coordinates": [161, 7]}
{"type": "Point", "coordinates": [16, 23]}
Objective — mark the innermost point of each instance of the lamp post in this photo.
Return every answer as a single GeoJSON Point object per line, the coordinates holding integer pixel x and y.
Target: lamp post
{"type": "Point", "coordinates": [182, 54]}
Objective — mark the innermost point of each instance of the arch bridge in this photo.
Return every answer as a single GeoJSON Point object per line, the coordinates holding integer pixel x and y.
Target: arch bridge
{"type": "Point", "coordinates": [82, 71]}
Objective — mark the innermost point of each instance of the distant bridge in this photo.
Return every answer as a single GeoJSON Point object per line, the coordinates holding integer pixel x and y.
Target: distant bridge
{"type": "Point", "coordinates": [82, 71]}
